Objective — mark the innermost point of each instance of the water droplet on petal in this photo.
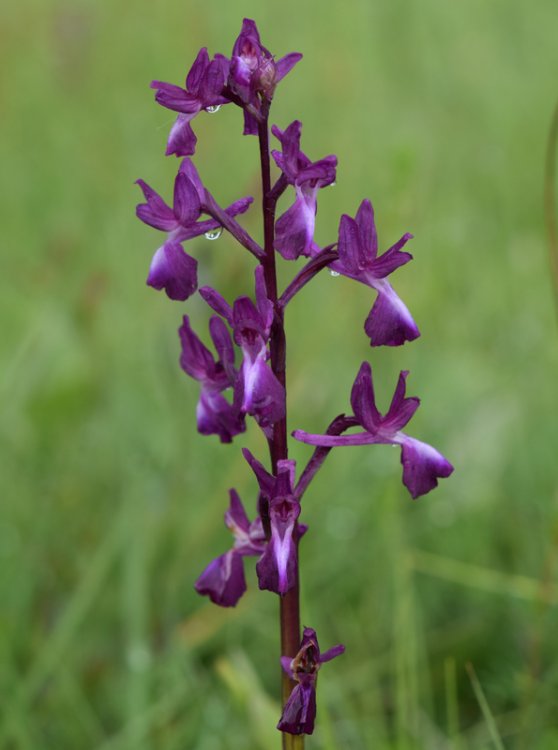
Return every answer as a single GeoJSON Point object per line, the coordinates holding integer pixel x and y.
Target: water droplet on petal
{"type": "Point", "coordinates": [333, 273]}
{"type": "Point", "coordinates": [214, 234]}
{"type": "Point", "coordinates": [213, 108]}
{"type": "Point", "coordinates": [332, 184]}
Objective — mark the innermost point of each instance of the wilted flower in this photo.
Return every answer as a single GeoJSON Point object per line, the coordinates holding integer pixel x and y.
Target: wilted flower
{"type": "Point", "coordinates": [299, 711]}
{"type": "Point", "coordinates": [254, 71]}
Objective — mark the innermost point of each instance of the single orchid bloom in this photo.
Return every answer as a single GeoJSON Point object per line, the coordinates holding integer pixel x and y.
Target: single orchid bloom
{"type": "Point", "coordinates": [299, 711]}
{"type": "Point", "coordinates": [277, 568]}
{"type": "Point", "coordinates": [422, 464]}
{"type": "Point", "coordinates": [172, 269]}
{"type": "Point", "coordinates": [254, 71]}
{"type": "Point", "coordinates": [214, 414]}
{"type": "Point", "coordinates": [389, 321]}
{"type": "Point", "coordinates": [223, 580]}
{"type": "Point", "coordinates": [262, 395]}
{"type": "Point", "coordinates": [294, 230]}
{"type": "Point", "coordinates": [204, 86]}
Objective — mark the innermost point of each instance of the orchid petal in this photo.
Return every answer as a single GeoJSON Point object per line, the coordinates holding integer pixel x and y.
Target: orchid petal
{"type": "Point", "coordinates": [195, 74]}
{"type": "Point", "coordinates": [174, 271]}
{"type": "Point", "coordinates": [299, 712]}
{"type": "Point", "coordinates": [423, 465]}
{"type": "Point", "coordinates": [155, 212]}
{"type": "Point", "coordinates": [223, 580]}
{"type": "Point", "coordinates": [182, 139]}
{"type": "Point", "coordinates": [401, 409]}
{"type": "Point", "coordinates": [367, 226]}
{"type": "Point", "coordinates": [389, 321]}
{"type": "Point", "coordinates": [363, 400]}
{"type": "Point", "coordinates": [217, 302]}
{"type": "Point", "coordinates": [215, 416]}
{"type": "Point", "coordinates": [286, 64]}
{"type": "Point", "coordinates": [173, 97]}
{"type": "Point", "coordinates": [186, 200]}
{"type": "Point", "coordinates": [235, 517]}
{"type": "Point", "coordinates": [294, 230]}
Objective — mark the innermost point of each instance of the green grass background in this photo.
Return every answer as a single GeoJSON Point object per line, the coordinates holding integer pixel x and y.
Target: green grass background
{"type": "Point", "coordinates": [112, 504]}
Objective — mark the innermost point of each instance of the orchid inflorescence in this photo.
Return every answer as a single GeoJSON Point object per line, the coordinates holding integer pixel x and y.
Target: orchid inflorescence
{"type": "Point", "coordinates": [256, 387]}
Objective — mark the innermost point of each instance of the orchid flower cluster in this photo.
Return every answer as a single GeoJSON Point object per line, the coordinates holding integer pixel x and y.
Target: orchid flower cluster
{"type": "Point", "coordinates": [234, 387]}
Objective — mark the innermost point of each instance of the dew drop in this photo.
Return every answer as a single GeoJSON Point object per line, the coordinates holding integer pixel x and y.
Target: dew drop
{"type": "Point", "coordinates": [213, 108]}
{"type": "Point", "coordinates": [334, 274]}
{"type": "Point", "coordinates": [214, 234]}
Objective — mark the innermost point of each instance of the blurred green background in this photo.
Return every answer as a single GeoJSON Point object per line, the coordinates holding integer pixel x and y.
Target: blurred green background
{"type": "Point", "coordinates": [112, 503]}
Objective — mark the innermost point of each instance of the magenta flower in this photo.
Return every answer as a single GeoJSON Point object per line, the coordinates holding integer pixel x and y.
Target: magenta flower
{"type": "Point", "coordinates": [172, 269]}
{"type": "Point", "coordinates": [294, 230]}
{"type": "Point", "coordinates": [422, 464]}
{"type": "Point", "coordinates": [299, 711]}
{"type": "Point", "coordinates": [223, 580]}
{"type": "Point", "coordinates": [214, 414]}
{"type": "Point", "coordinates": [204, 86]}
{"type": "Point", "coordinates": [389, 322]}
{"type": "Point", "coordinates": [254, 71]}
{"type": "Point", "coordinates": [262, 395]}
{"type": "Point", "coordinates": [277, 568]}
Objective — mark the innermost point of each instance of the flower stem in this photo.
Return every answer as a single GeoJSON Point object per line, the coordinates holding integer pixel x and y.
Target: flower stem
{"type": "Point", "coordinates": [232, 226]}
{"type": "Point", "coordinates": [337, 427]}
{"type": "Point", "coordinates": [314, 266]}
{"type": "Point", "coordinates": [278, 449]}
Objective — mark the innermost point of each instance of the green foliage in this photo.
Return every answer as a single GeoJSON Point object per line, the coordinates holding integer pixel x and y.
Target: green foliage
{"type": "Point", "coordinates": [112, 504]}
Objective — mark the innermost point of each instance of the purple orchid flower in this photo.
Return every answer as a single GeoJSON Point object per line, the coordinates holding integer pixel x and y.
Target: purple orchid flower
{"type": "Point", "coordinates": [262, 395]}
{"type": "Point", "coordinates": [299, 712]}
{"type": "Point", "coordinates": [256, 325]}
{"type": "Point", "coordinates": [294, 230]}
{"type": "Point", "coordinates": [172, 269]}
{"type": "Point", "coordinates": [389, 321]}
{"type": "Point", "coordinates": [223, 580]}
{"type": "Point", "coordinates": [422, 464]}
{"type": "Point", "coordinates": [254, 71]}
{"type": "Point", "coordinates": [215, 415]}
{"type": "Point", "coordinates": [277, 568]}
{"type": "Point", "coordinates": [204, 87]}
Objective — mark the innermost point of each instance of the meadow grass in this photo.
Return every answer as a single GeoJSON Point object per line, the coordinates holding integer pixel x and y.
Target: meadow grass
{"type": "Point", "coordinates": [112, 503]}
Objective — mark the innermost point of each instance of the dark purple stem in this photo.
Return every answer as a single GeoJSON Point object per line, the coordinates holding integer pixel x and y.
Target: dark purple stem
{"type": "Point", "coordinates": [307, 273]}
{"type": "Point", "coordinates": [279, 188]}
{"type": "Point", "coordinates": [337, 427]}
{"type": "Point", "coordinates": [278, 449]}
{"type": "Point", "coordinates": [239, 233]}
